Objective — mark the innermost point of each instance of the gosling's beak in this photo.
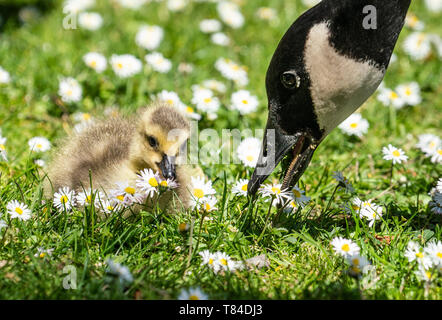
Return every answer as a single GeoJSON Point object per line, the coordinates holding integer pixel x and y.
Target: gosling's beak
{"type": "Point", "coordinates": [167, 167]}
{"type": "Point", "coordinates": [298, 148]}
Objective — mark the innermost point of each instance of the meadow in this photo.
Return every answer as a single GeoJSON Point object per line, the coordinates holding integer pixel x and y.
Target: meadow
{"type": "Point", "coordinates": [49, 252]}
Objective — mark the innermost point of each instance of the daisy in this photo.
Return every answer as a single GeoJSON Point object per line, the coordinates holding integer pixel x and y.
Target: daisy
{"type": "Point", "coordinates": [42, 253]}
{"type": "Point", "coordinates": [225, 262]}
{"type": "Point", "coordinates": [86, 198]}
{"type": "Point", "coordinates": [70, 90]}
{"type": "Point", "coordinates": [355, 125]}
{"type": "Point", "coordinates": [425, 274]}
{"type": "Point", "coordinates": [176, 5]}
{"type": "Point", "coordinates": [417, 45]}
{"type": "Point", "coordinates": [126, 194]}
{"type": "Point", "coordinates": [229, 13]}
{"type": "Point", "coordinates": [168, 183]}
{"type": "Point", "coordinates": [434, 251]}
{"type": "Point", "coordinates": [208, 258]}
{"type": "Point", "coordinates": [299, 197]}
{"type": "Point", "coordinates": [410, 93]}
{"type": "Point", "coordinates": [199, 190]}
{"type": "Point", "coordinates": [39, 144]}
{"type": "Point", "coordinates": [240, 188]}
{"type": "Point", "coordinates": [343, 182]}
{"type": "Point", "coordinates": [244, 102]}
{"type": "Point", "coordinates": [122, 272]}
{"type": "Point", "coordinates": [4, 76]}
{"type": "Point", "coordinates": [208, 204]}
{"type": "Point", "coordinates": [169, 97]}
{"type": "Point", "coordinates": [415, 253]}
{"type": "Point", "coordinates": [108, 206]}
{"type": "Point", "coordinates": [64, 199]}
{"type": "Point", "coordinates": [3, 224]}
{"type": "Point", "coordinates": [357, 264]}
{"type": "Point", "coordinates": [189, 112]}
{"type": "Point", "coordinates": [356, 206]}
{"type": "Point", "coordinates": [3, 154]}
{"type": "Point", "coordinates": [76, 6]}
{"type": "Point", "coordinates": [149, 37]}
{"type": "Point", "coordinates": [274, 191]}
{"type": "Point", "coordinates": [436, 156]}
{"type": "Point", "coordinates": [345, 247]}
{"type": "Point", "coordinates": [18, 210]}
{"type": "Point", "coordinates": [90, 20]}
{"type": "Point", "coordinates": [265, 13]}
{"type": "Point", "coordinates": [205, 101]}
{"type": "Point", "coordinates": [95, 61]}
{"type": "Point", "coordinates": [248, 151]}
{"type": "Point", "coordinates": [412, 21]}
{"type": "Point", "coordinates": [391, 98]}
{"type": "Point", "coordinates": [372, 213]}
{"type": "Point", "coordinates": [436, 204]}
{"type": "Point", "coordinates": [192, 294]}
{"type": "Point", "coordinates": [291, 206]}
{"type": "Point", "coordinates": [310, 3]}
{"type": "Point", "coordinates": [215, 85]}
{"type": "Point", "coordinates": [220, 39]}
{"type": "Point", "coordinates": [394, 154]}
{"type": "Point", "coordinates": [428, 143]}
{"type": "Point", "coordinates": [232, 71]}
{"type": "Point", "coordinates": [125, 65]}
{"type": "Point", "coordinates": [434, 5]}
{"type": "Point", "coordinates": [157, 61]}
{"type": "Point", "coordinates": [210, 26]}
{"type": "Point", "coordinates": [148, 182]}
{"type": "Point", "coordinates": [132, 4]}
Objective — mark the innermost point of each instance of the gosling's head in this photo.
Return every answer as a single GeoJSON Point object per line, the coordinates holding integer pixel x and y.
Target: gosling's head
{"type": "Point", "coordinates": [162, 133]}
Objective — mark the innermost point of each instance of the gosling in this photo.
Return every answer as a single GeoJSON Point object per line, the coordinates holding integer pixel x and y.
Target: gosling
{"type": "Point", "coordinates": [116, 150]}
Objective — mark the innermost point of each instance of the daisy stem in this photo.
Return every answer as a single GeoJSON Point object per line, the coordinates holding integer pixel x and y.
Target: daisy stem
{"type": "Point", "coordinates": [199, 232]}
{"type": "Point", "coordinates": [331, 198]}
{"type": "Point", "coordinates": [391, 172]}
{"type": "Point", "coordinates": [267, 220]}
{"type": "Point", "coordinates": [192, 225]}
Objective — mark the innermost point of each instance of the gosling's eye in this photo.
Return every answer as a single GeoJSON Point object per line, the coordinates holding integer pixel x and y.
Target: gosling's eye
{"type": "Point", "coordinates": [153, 142]}
{"type": "Point", "coordinates": [290, 80]}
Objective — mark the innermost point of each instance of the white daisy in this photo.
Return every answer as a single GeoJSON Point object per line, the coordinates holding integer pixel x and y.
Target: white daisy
{"type": "Point", "coordinates": [86, 198]}
{"type": "Point", "coordinates": [417, 45]}
{"type": "Point", "coordinates": [125, 65]}
{"type": "Point", "coordinates": [232, 71]}
{"type": "Point", "coordinates": [122, 272]}
{"type": "Point", "coordinates": [192, 294]}
{"type": "Point", "coordinates": [244, 102]}
{"type": "Point", "coordinates": [199, 190]}
{"type": "Point", "coordinates": [274, 191]}
{"type": "Point", "coordinates": [18, 210]}
{"type": "Point", "coordinates": [169, 97]}
{"type": "Point", "coordinates": [127, 194]}
{"type": "Point", "coordinates": [205, 101]}
{"type": "Point", "coordinates": [132, 4]}
{"type": "Point", "coordinates": [215, 85]}
{"type": "Point", "coordinates": [434, 5]}
{"type": "Point", "coordinates": [64, 199]}
{"type": "Point", "coordinates": [424, 274]}
{"type": "Point", "coordinates": [415, 253]}
{"type": "Point", "coordinates": [3, 224]}
{"type": "Point", "coordinates": [4, 76]}
{"type": "Point", "coordinates": [248, 151]}
{"type": "Point", "coordinates": [391, 98]}
{"type": "Point", "coordinates": [310, 3]}
{"type": "Point", "coordinates": [345, 247]}
{"type": "Point", "coordinates": [95, 61]}
{"type": "Point", "coordinates": [428, 143]}
{"type": "Point", "coordinates": [149, 37]}
{"type": "Point", "coordinates": [41, 163]}
{"type": "Point", "coordinates": [230, 14]}
{"type": "Point", "coordinates": [433, 250]}
{"type": "Point", "coordinates": [75, 6]}
{"type": "Point", "coordinates": [189, 112]}
{"type": "Point", "coordinates": [436, 156]}
{"type": "Point", "coordinates": [157, 61]}
{"type": "Point", "coordinates": [266, 13]}
{"type": "Point", "coordinates": [372, 213]}
{"type": "Point", "coordinates": [436, 203]}
{"type": "Point", "coordinates": [109, 206]}
{"type": "Point", "coordinates": [3, 153]}
{"type": "Point", "coordinates": [225, 262]}
{"type": "Point", "coordinates": [70, 90]}
{"type": "Point", "coordinates": [42, 252]}
{"type": "Point", "coordinates": [220, 39]}
{"type": "Point", "coordinates": [210, 25]}
{"type": "Point", "coordinates": [90, 20]}
{"type": "Point", "coordinates": [208, 204]}
{"type": "Point", "coordinates": [240, 188]}
{"type": "Point", "coordinates": [149, 182]}
{"type": "Point", "coordinates": [394, 154]}
{"type": "Point", "coordinates": [299, 196]}
{"type": "Point", "coordinates": [410, 93]}
{"type": "Point", "coordinates": [355, 125]}
{"type": "Point", "coordinates": [412, 21]}
{"type": "Point", "coordinates": [343, 182]}
{"type": "Point", "coordinates": [357, 264]}
{"type": "Point", "coordinates": [176, 5]}
{"type": "Point", "coordinates": [39, 144]}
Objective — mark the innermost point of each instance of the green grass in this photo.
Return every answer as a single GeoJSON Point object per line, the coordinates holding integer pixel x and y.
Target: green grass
{"type": "Point", "coordinates": [302, 262]}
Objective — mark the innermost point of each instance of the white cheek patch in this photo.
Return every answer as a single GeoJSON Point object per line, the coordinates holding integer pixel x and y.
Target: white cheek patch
{"type": "Point", "coordinates": [339, 84]}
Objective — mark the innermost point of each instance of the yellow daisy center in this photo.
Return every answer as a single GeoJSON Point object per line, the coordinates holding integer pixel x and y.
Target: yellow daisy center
{"type": "Point", "coordinates": [64, 199]}
{"type": "Point", "coordinates": [194, 297]}
{"type": "Point", "coordinates": [42, 254]}
{"type": "Point", "coordinates": [244, 187]}
{"type": "Point", "coordinates": [354, 125]}
{"type": "Point", "coordinates": [210, 261]}
{"type": "Point", "coordinates": [420, 255]}
{"type": "Point", "coordinates": [394, 95]}
{"type": "Point", "coordinates": [207, 207]}
{"type": "Point", "coordinates": [355, 261]}
{"type": "Point", "coordinates": [356, 269]}
{"type": "Point", "coordinates": [119, 65]}
{"type": "Point", "coordinates": [86, 116]}
{"type": "Point", "coordinates": [19, 210]}
{"type": "Point", "coordinates": [439, 255]}
{"type": "Point", "coordinates": [199, 193]}
{"type": "Point", "coordinates": [169, 101]}
{"type": "Point", "coordinates": [164, 183]}
{"type": "Point", "coordinates": [245, 102]}
{"type": "Point", "coordinates": [189, 109]}
{"type": "Point", "coordinates": [439, 151]}
{"type": "Point", "coordinates": [153, 182]}
{"type": "Point", "coordinates": [207, 100]}
{"type": "Point", "coordinates": [110, 208]}
{"type": "Point", "coordinates": [396, 153]}
{"type": "Point", "coordinates": [120, 197]}
{"type": "Point", "coordinates": [345, 247]}
{"type": "Point", "coordinates": [276, 190]}
{"type": "Point", "coordinates": [223, 262]}
{"type": "Point", "coordinates": [131, 190]}
{"type": "Point", "coordinates": [408, 92]}
{"type": "Point", "coordinates": [297, 193]}
{"type": "Point", "coordinates": [249, 158]}
{"type": "Point", "coordinates": [93, 64]}
{"type": "Point", "coordinates": [2, 146]}
{"type": "Point", "coordinates": [89, 199]}
{"type": "Point", "coordinates": [428, 274]}
{"type": "Point", "coordinates": [39, 146]}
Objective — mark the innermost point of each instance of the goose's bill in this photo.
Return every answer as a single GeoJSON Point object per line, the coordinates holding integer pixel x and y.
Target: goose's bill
{"type": "Point", "coordinates": [295, 151]}
{"type": "Point", "coordinates": [167, 167]}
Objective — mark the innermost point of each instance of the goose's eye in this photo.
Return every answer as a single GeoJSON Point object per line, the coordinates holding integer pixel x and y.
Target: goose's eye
{"type": "Point", "coordinates": [290, 80]}
{"type": "Point", "coordinates": [153, 142]}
